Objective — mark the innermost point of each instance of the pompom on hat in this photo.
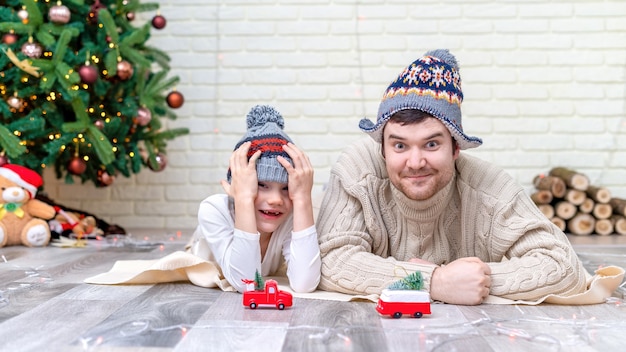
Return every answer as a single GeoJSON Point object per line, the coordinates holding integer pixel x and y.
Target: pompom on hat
{"type": "Point", "coordinates": [22, 176]}
{"type": "Point", "coordinates": [265, 131]}
{"type": "Point", "coordinates": [431, 84]}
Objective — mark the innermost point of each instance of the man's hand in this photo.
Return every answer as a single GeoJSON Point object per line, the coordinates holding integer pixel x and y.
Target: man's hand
{"type": "Point", "coordinates": [465, 281]}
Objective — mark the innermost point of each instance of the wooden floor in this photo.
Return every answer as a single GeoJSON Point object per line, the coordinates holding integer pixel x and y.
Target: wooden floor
{"type": "Point", "coordinates": [45, 306]}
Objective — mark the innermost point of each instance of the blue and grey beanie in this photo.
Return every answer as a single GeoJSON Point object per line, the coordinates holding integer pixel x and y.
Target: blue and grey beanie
{"type": "Point", "coordinates": [265, 131]}
{"type": "Point", "coordinates": [431, 84]}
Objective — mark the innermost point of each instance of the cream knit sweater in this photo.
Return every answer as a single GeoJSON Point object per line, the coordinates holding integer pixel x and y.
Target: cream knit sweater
{"type": "Point", "coordinates": [368, 230]}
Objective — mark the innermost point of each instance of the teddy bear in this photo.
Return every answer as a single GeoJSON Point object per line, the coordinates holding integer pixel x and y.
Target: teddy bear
{"type": "Point", "coordinates": [23, 219]}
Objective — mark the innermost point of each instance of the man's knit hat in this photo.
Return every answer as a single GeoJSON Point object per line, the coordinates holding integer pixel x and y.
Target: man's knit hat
{"type": "Point", "coordinates": [265, 131]}
{"type": "Point", "coordinates": [431, 84]}
{"type": "Point", "coordinates": [22, 176]}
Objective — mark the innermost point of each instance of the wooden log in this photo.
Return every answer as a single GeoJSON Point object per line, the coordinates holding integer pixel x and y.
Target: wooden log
{"type": "Point", "coordinates": [619, 224]}
{"type": "Point", "coordinates": [560, 223]}
{"type": "Point", "coordinates": [541, 197]}
{"type": "Point", "coordinates": [581, 224]}
{"type": "Point", "coordinates": [619, 206]}
{"type": "Point", "coordinates": [587, 206]}
{"type": "Point", "coordinates": [550, 183]}
{"type": "Point", "coordinates": [575, 196]}
{"type": "Point", "coordinates": [547, 210]}
{"type": "Point", "coordinates": [565, 210]}
{"type": "Point", "coordinates": [599, 194]}
{"type": "Point", "coordinates": [603, 227]}
{"type": "Point", "coordinates": [602, 211]}
{"type": "Point", "coordinates": [572, 178]}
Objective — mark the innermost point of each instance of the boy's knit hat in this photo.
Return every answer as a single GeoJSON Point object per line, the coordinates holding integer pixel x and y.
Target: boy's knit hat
{"type": "Point", "coordinates": [265, 131]}
{"type": "Point", "coordinates": [431, 84]}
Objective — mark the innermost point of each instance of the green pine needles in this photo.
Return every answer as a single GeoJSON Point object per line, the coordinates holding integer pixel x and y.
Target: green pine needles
{"type": "Point", "coordinates": [413, 281]}
{"type": "Point", "coordinates": [259, 282]}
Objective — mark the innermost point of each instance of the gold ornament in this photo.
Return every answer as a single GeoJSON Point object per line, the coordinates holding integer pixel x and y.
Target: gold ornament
{"type": "Point", "coordinates": [124, 70]}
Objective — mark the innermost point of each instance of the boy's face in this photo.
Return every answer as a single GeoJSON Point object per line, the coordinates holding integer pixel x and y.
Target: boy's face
{"type": "Point", "coordinates": [419, 157]}
{"type": "Point", "coordinates": [272, 205]}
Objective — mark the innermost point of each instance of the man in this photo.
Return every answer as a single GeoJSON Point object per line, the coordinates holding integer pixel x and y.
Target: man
{"type": "Point", "coordinates": [408, 200]}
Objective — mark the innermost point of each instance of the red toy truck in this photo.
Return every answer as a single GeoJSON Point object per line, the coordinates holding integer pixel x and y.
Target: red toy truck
{"type": "Point", "coordinates": [270, 295]}
{"type": "Point", "coordinates": [397, 302]}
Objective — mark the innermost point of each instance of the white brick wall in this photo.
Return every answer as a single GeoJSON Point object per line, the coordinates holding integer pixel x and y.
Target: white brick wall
{"type": "Point", "coordinates": [544, 84]}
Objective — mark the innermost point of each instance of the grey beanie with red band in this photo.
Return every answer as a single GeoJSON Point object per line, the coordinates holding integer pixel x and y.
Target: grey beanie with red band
{"type": "Point", "coordinates": [265, 132]}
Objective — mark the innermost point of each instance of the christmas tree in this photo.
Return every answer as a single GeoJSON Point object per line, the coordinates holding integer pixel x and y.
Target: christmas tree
{"type": "Point", "coordinates": [413, 281]}
{"type": "Point", "coordinates": [82, 91]}
{"type": "Point", "coordinates": [259, 282]}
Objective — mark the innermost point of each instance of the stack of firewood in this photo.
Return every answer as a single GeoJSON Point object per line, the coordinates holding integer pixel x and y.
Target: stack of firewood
{"type": "Point", "coordinates": [566, 198]}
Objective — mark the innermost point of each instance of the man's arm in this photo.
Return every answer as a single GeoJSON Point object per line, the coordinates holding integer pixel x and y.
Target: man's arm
{"type": "Point", "coordinates": [537, 259]}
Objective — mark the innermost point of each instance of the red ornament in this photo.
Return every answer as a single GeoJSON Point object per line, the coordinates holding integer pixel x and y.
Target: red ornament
{"type": "Point", "coordinates": [175, 100]}
{"type": "Point", "coordinates": [159, 22]}
{"type": "Point", "coordinates": [59, 14]}
{"type": "Point", "coordinates": [161, 162]}
{"type": "Point", "coordinates": [104, 178]}
{"type": "Point", "coordinates": [144, 116]}
{"type": "Point", "coordinates": [124, 70]}
{"type": "Point", "coordinates": [32, 50]}
{"type": "Point", "coordinates": [130, 16]}
{"type": "Point", "coordinates": [9, 38]}
{"type": "Point", "coordinates": [77, 166]}
{"type": "Point", "coordinates": [88, 74]}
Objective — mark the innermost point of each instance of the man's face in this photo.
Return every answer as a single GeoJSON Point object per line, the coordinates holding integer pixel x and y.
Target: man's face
{"type": "Point", "coordinates": [419, 157]}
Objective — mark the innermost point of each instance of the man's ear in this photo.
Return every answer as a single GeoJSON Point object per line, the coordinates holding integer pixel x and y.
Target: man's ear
{"type": "Point", "coordinates": [457, 151]}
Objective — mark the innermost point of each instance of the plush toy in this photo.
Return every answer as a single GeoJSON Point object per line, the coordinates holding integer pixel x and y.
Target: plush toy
{"type": "Point", "coordinates": [101, 227]}
{"type": "Point", "coordinates": [23, 220]}
{"type": "Point", "coordinates": [72, 224]}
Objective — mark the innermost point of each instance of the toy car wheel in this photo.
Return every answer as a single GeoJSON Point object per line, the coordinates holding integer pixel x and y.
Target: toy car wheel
{"type": "Point", "coordinates": [281, 306]}
{"type": "Point", "coordinates": [417, 314]}
{"type": "Point", "coordinates": [397, 315]}
{"type": "Point", "coordinates": [252, 305]}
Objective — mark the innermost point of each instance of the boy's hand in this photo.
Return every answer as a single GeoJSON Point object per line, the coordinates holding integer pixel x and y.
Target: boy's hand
{"type": "Point", "coordinates": [300, 174]}
{"type": "Point", "coordinates": [244, 183]}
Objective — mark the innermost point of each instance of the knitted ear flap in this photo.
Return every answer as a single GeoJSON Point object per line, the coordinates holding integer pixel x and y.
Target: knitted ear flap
{"type": "Point", "coordinates": [265, 132]}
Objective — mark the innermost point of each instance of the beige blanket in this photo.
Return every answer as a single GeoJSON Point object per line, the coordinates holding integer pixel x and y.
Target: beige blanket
{"type": "Point", "coordinates": [184, 266]}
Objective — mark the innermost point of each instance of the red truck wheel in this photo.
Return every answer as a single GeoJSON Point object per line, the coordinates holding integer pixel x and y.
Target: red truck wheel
{"type": "Point", "coordinates": [417, 314]}
{"type": "Point", "coordinates": [252, 305]}
{"type": "Point", "coordinates": [397, 315]}
{"type": "Point", "coordinates": [280, 306]}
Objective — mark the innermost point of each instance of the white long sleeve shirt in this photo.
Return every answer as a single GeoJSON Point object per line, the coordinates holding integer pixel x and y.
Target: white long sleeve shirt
{"type": "Point", "coordinates": [238, 253]}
